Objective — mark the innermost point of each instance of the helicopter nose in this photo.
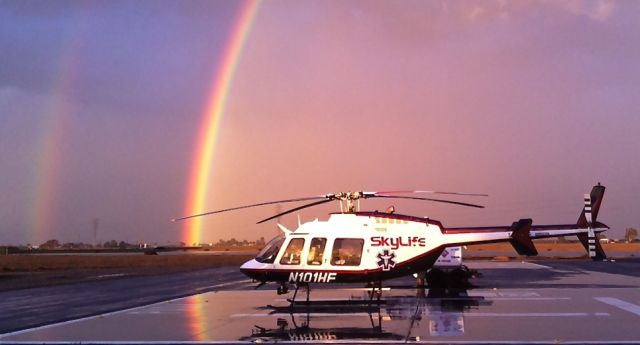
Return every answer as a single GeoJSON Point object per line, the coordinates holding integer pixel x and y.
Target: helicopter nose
{"type": "Point", "coordinates": [251, 269]}
{"type": "Point", "coordinates": [248, 265]}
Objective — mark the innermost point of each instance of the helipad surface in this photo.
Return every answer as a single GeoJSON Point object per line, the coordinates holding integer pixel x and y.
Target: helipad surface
{"type": "Point", "coordinates": [571, 306]}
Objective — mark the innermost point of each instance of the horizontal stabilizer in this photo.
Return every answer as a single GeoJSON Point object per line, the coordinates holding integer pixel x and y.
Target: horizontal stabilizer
{"type": "Point", "coordinates": [520, 239]}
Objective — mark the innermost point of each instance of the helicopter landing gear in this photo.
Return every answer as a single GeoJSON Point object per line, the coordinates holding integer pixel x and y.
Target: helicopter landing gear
{"type": "Point", "coordinates": [283, 289]}
{"type": "Point", "coordinates": [292, 301]}
{"type": "Point", "coordinates": [373, 293]}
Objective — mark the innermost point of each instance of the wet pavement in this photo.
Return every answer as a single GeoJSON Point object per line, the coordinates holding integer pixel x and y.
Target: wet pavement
{"type": "Point", "coordinates": [514, 302]}
{"type": "Point", "coordinates": [28, 308]}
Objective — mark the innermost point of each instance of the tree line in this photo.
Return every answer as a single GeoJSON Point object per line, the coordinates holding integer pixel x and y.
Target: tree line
{"type": "Point", "coordinates": [113, 244]}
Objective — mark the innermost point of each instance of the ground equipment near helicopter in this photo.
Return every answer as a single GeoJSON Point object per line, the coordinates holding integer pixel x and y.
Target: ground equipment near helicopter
{"type": "Point", "coordinates": [372, 246]}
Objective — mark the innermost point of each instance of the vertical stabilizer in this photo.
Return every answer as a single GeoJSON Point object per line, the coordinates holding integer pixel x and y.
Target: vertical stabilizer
{"type": "Point", "coordinates": [595, 201]}
{"type": "Point", "coordinates": [587, 220]}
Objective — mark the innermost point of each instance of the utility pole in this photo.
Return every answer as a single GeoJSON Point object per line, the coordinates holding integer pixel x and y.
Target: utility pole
{"type": "Point", "coordinates": [96, 223]}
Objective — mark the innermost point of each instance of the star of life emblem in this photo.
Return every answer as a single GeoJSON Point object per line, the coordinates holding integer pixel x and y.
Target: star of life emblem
{"type": "Point", "coordinates": [386, 259]}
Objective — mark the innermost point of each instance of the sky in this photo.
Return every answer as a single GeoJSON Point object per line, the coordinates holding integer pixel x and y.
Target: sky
{"type": "Point", "coordinates": [104, 108]}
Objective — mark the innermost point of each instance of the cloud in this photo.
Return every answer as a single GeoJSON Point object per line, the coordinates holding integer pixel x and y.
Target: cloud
{"type": "Point", "coordinates": [133, 55]}
{"type": "Point", "coordinates": [598, 10]}
{"type": "Point", "coordinates": [475, 11]}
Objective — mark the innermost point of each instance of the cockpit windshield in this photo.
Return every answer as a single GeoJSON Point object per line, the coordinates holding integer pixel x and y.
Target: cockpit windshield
{"type": "Point", "coordinates": [268, 254]}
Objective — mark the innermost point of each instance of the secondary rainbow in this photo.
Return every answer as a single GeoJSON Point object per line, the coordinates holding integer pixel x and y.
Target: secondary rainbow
{"type": "Point", "coordinates": [43, 198]}
{"type": "Point", "coordinates": [203, 162]}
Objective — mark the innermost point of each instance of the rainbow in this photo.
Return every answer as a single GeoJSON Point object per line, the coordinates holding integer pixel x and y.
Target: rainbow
{"type": "Point", "coordinates": [42, 198]}
{"type": "Point", "coordinates": [46, 173]}
{"type": "Point", "coordinates": [202, 165]}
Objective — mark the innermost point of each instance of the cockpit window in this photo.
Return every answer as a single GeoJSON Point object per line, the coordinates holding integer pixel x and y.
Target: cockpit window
{"type": "Point", "coordinates": [316, 250]}
{"type": "Point", "coordinates": [292, 254]}
{"type": "Point", "coordinates": [268, 254]}
{"type": "Point", "coordinates": [347, 251]}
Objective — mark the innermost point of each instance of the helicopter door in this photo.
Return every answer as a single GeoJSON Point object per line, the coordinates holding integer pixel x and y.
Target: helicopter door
{"type": "Point", "coordinates": [316, 251]}
{"type": "Point", "coordinates": [293, 252]}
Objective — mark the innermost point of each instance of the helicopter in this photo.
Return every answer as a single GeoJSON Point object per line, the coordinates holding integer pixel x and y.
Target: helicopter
{"type": "Point", "coordinates": [354, 246]}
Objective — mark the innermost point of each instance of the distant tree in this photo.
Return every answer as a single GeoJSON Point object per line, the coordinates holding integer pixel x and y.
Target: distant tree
{"type": "Point", "coordinates": [630, 234]}
{"type": "Point", "coordinates": [111, 244]}
{"type": "Point", "coordinates": [260, 242]}
{"type": "Point", "coordinates": [50, 244]}
{"type": "Point", "coordinates": [601, 236]}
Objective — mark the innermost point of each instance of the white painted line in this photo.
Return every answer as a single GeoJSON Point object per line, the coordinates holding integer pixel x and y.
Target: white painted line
{"type": "Point", "coordinates": [435, 314]}
{"type": "Point", "coordinates": [630, 307]}
{"type": "Point", "coordinates": [299, 314]}
{"type": "Point", "coordinates": [103, 315]}
{"type": "Point", "coordinates": [111, 275]}
{"type": "Point", "coordinates": [538, 265]}
{"type": "Point", "coordinates": [246, 281]}
{"type": "Point", "coordinates": [250, 315]}
{"type": "Point", "coordinates": [533, 314]}
{"type": "Point", "coordinates": [365, 289]}
{"type": "Point", "coordinates": [301, 300]}
{"type": "Point", "coordinates": [528, 298]}
{"type": "Point", "coordinates": [507, 294]}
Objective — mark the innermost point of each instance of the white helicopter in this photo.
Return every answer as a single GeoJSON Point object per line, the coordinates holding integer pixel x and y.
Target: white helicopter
{"type": "Point", "coordinates": [371, 246]}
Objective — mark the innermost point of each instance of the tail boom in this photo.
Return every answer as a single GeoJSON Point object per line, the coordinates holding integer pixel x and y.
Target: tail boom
{"type": "Point", "coordinates": [467, 236]}
{"type": "Point", "coordinates": [521, 233]}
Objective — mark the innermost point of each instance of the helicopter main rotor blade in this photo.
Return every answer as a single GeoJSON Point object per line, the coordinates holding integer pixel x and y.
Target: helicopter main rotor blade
{"type": "Point", "coordinates": [252, 205]}
{"type": "Point", "coordinates": [424, 192]}
{"type": "Point", "coordinates": [428, 199]}
{"type": "Point", "coordinates": [295, 209]}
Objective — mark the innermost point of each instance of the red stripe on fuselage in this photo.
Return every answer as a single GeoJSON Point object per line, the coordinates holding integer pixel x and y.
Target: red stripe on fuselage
{"type": "Point", "coordinates": [363, 275]}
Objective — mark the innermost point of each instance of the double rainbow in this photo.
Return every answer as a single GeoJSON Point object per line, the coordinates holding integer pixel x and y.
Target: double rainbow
{"type": "Point", "coordinates": [203, 163]}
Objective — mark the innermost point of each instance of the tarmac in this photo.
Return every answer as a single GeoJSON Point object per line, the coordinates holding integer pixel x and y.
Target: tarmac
{"type": "Point", "coordinates": [535, 302]}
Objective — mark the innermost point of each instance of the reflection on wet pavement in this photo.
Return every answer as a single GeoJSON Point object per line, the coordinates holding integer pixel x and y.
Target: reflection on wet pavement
{"type": "Point", "coordinates": [442, 311]}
